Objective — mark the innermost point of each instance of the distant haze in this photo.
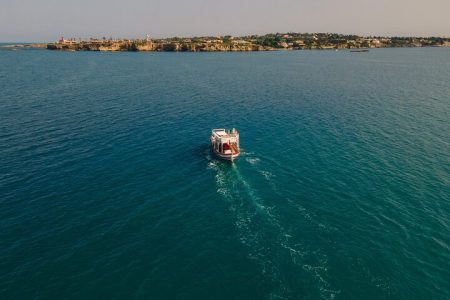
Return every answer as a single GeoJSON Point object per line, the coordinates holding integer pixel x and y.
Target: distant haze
{"type": "Point", "coordinates": [47, 20]}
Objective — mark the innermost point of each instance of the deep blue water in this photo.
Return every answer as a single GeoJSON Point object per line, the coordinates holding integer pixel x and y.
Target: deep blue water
{"type": "Point", "coordinates": [108, 189]}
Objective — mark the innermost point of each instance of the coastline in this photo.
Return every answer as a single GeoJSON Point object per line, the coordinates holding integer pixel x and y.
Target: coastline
{"type": "Point", "coordinates": [252, 43]}
{"type": "Point", "coordinates": [39, 46]}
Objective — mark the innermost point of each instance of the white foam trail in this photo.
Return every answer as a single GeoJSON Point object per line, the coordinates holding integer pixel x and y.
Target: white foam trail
{"type": "Point", "coordinates": [249, 235]}
{"type": "Point", "coordinates": [228, 184]}
{"type": "Point", "coordinates": [249, 190]}
{"type": "Point", "coordinates": [267, 175]}
{"type": "Point", "coordinates": [244, 153]}
{"type": "Point", "coordinates": [252, 161]}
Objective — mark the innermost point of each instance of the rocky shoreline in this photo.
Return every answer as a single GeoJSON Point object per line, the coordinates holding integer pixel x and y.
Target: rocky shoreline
{"type": "Point", "coordinates": [143, 45]}
{"type": "Point", "coordinates": [268, 42]}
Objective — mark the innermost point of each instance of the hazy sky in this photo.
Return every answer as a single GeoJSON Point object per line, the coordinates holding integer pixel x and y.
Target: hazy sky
{"type": "Point", "coordinates": [46, 20]}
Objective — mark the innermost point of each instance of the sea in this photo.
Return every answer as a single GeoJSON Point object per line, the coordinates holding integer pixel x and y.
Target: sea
{"type": "Point", "coordinates": [109, 189]}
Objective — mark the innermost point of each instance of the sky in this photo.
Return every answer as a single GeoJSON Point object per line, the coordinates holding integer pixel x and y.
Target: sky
{"type": "Point", "coordinates": [47, 20]}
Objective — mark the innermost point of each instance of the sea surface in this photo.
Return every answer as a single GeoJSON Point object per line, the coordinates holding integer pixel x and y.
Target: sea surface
{"type": "Point", "coordinates": [108, 188]}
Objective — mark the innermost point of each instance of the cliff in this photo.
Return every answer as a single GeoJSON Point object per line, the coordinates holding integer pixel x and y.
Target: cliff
{"type": "Point", "coordinates": [279, 41]}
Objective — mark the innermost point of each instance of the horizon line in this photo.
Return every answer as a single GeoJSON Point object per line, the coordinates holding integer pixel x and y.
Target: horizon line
{"type": "Point", "coordinates": [234, 36]}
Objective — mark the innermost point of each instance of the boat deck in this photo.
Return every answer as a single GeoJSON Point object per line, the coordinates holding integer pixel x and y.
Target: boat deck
{"type": "Point", "coordinates": [234, 149]}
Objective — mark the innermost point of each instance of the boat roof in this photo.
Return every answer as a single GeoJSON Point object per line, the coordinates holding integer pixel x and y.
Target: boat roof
{"type": "Point", "coordinates": [222, 133]}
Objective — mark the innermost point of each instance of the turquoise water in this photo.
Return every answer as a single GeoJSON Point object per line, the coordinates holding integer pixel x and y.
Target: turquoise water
{"type": "Point", "coordinates": [108, 189]}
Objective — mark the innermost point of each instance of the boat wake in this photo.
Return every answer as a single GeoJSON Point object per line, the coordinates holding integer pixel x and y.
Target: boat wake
{"type": "Point", "coordinates": [236, 191]}
{"type": "Point", "coordinates": [259, 228]}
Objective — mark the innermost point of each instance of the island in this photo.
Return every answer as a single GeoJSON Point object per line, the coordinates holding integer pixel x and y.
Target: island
{"type": "Point", "coordinates": [267, 42]}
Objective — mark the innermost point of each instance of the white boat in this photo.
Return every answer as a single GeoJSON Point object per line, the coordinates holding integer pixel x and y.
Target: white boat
{"type": "Point", "coordinates": [225, 144]}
